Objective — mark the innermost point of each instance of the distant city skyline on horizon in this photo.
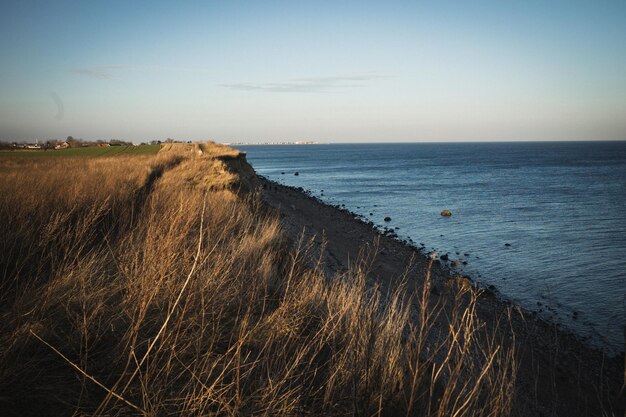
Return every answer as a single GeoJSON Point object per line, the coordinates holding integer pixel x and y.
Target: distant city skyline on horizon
{"type": "Point", "coordinates": [330, 72]}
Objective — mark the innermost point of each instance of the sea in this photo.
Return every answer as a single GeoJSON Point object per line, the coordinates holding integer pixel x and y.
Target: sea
{"type": "Point", "coordinates": [542, 222]}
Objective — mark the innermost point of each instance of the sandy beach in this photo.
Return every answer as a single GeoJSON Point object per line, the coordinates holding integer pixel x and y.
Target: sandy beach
{"type": "Point", "coordinates": [558, 374]}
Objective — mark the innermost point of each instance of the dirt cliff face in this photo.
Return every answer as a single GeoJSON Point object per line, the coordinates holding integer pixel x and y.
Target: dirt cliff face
{"type": "Point", "coordinates": [238, 165]}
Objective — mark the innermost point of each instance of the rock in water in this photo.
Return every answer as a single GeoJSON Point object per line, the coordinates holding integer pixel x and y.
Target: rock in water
{"type": "Point", "coordinates": [387, 219]}
{"type": "Point", "coordinates": [446, 213]}
{"type": "Point", "coordinates": [296, 173]}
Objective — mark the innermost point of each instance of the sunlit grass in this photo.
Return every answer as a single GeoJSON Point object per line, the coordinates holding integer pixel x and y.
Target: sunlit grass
{"type": "Point", "coordinates": [153, 285]}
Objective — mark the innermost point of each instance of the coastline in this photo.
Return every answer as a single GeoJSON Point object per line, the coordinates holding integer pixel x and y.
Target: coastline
{"type": "Point", "coordinates": [285, 304]}
{"type": "Point", "coordinates": [541, 229]}
{"type": "Point", "coordinates": [558, 374]}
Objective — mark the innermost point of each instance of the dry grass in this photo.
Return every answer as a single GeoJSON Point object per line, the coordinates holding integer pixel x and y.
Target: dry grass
{"type": "Point", "coordinates": [126, 293]}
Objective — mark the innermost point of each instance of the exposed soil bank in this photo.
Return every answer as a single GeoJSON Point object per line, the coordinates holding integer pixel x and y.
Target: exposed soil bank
{"type": "Point", "coordinates": [558, 374]}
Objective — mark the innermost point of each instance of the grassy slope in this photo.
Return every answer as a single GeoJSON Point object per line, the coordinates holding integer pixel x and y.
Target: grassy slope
{"type": "Point", "coordinates": [161, 285]}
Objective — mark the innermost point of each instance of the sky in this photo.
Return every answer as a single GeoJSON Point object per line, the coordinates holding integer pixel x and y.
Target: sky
{"type": "Point", "coordinates": [330, 71]}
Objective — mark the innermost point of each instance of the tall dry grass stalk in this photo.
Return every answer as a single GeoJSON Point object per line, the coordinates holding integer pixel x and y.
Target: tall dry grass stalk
{"type": "Point", "coordinates": [150, 286]}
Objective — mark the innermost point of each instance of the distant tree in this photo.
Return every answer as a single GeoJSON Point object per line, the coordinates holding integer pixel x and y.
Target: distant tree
{"type": "Point", "coordinates": [117, 142]}
{"type": "Point", "coordinates": [74, 143]}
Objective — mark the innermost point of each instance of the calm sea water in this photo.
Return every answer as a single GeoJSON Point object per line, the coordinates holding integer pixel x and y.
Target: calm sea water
{"type": "Point", "coordinates": [560, 206]}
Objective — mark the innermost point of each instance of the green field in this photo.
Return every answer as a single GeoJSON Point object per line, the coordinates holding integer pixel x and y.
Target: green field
{"type": "Point", "coordinates": [92, 151]}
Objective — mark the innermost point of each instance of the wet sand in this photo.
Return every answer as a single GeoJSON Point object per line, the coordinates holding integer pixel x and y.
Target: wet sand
{"type": "Point", "coordinates": [558, 375]}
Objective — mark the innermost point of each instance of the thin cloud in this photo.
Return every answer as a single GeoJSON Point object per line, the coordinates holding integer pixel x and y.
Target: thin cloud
{"type": "Point", "coordinates": [59, 105]}
{"type": "Point", "coordinates": [307, 85]}
{"type": "Point", "coordinates": [100, 72]}
{"type": "Point", "coordinates": [108, 71]}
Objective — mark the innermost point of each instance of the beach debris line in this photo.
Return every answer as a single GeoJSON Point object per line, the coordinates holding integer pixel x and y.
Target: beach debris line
{"type": "Point", "coordinates": [446, 213]}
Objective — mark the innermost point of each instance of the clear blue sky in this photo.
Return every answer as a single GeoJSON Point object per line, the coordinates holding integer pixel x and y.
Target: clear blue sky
{"type": "Point", "coordinates": [321, 70]}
